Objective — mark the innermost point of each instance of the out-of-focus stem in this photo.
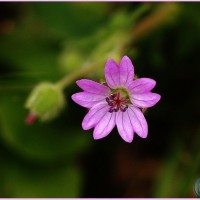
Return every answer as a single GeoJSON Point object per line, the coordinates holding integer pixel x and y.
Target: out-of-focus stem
{"type": "Point", "coordinates": [88, 68]}
{"type": "Point", "coordinates": [154, 20]}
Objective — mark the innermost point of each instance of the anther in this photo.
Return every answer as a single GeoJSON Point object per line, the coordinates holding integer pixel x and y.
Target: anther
{"type": "Point", "coordinates": [116, 102]}
{"type": "Point", "coordinates": [116, 109]}
{"type": "Point", "coordinates": [123, 109]}
{"type": "Point", "coordinates": [107, 99]}
{"type": "Point", "coordinates": [111, 110]}
{"type": "Point", "coordinates": [112, 96]}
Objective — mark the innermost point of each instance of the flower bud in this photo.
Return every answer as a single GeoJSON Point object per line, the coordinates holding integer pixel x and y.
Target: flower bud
{"type": "Point", "coordinates": [45, 102]}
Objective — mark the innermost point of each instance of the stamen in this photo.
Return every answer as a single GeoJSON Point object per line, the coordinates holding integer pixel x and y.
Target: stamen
{"type": "Point", "coordinates": [116, 102]}
{"type": "Point", "coordinates": [116, 109]}
{"type": "Point", "coordinates": [123, 109]}
{"type": "Point", "coordinates": [111, 110]}
{"type": "Point", "coordinates": [109, 101]}
{"type": "Point", "coordinates": [112, 96]}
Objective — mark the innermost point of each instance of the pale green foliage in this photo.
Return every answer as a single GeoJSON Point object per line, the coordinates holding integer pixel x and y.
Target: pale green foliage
{"type": "Point", "coordinates": [45, 101]}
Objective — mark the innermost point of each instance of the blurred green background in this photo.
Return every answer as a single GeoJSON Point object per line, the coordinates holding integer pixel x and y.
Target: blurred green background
{"type": "Point", "coordinates": [48, 41]}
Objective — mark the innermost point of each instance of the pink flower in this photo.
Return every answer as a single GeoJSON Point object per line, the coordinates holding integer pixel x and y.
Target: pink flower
{"type": "Point", "coordinates": [119, 103]}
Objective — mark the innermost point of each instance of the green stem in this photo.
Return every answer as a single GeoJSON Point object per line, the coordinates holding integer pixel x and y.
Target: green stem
{"type": "Point", "coordinates": [86, 69]}
{"type": "Point", "coordinates": [147, 25]}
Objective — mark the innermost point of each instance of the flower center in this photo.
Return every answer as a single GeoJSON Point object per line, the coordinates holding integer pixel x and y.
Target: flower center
{"type": "Point", "coordinates": [118, 101]}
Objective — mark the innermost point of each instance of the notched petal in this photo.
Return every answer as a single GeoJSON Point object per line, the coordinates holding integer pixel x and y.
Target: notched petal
{"type": "Point", "coordinates": [119, 75]}
{"type": "Point", "coordinates": [124, 126]}
{"type": "Point", "coordinates": [138, 121]}
{"type": "Point", "coordinates": [145, 100]}
{"type": "Point", "coordinates": [93, 87]}
{"type": "Point", "coordinates": [105, 126]}
{"type": "Point", "coordinates": [141, 85]}
{"type": "Point", "coordinates": [112, 73]}
{"type": "Point", "coordinates": [86, 99]}
{"type": "Point", "coordinates": [126, 71]}
{"type": "Point", "coordinates": [94, 115]}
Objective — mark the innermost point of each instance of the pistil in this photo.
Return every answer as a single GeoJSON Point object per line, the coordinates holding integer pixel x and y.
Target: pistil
{"type": "Point", "coordinates": [116, 102]}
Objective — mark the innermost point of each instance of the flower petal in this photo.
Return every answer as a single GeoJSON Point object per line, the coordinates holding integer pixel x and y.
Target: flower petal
{"type": "Point", "coordinates": [105, 126]}
{"type": "Point", "coordinates": [93, 87]}
{"type": "Point", "coordinates": [119, 75]}
{"type": "Point", "coordinates": [86, 99]}
{"type": "Point", "coordinates": [124, 126]}
{"type": "Point", "coordinates": [141, 85]}
{"type": "Point", "coordinates": [112, 73]}
{"type": "Point", "coordinates": [94, 115]}
{"type": "Point", "coordinates": [138, 121]}
{"type": "Point", "coordinates": [145, 100]}
{"type": "Point", "coordinates": [126, 71]}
